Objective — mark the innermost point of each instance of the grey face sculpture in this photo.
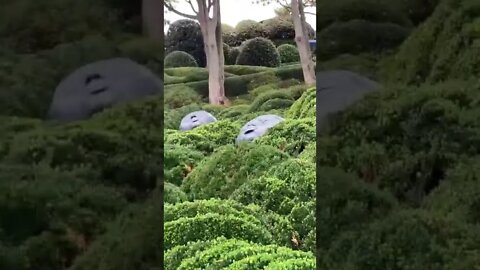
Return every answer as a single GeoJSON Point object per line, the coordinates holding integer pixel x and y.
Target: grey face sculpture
{"type": "Point", "coordinates": [97, 86]}
{"type": "Point", "coordinates": [258, 127]}
{"type": "Point", "coordinates": [337, 90]}
{"type": "Point", "coordinates": [195, 119]}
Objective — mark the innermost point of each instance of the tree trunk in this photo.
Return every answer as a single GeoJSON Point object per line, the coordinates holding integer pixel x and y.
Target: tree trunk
{"type": "Point", "coordinates": [301, 38]}
{"type": "Point", "coordinates": [212, 37]}
{"type": "Point", "coordinates": [152, 18]}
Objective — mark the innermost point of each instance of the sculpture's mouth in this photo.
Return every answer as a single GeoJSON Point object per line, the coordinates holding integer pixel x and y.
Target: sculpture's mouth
{"type": "Point", "coordinates": [95, 84]}
{"type": "Point", "coordinates": [249, 131]}
{"type": "Point", "coordinates": [98, 91]}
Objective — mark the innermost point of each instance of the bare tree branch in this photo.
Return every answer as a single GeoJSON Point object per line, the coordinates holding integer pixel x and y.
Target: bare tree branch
{"type": "Point", "coordinates": [172, 9]}
{"type": "Point", "coordinates": [191, 5]}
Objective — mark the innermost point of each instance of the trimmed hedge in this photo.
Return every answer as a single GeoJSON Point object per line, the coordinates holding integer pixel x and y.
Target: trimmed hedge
{"type": "Point", "coordinates": [179, 59]}
{"type": "Point", "coordinates": [228, 168]}
{"type": "Point", "coordinates": [258, 52]}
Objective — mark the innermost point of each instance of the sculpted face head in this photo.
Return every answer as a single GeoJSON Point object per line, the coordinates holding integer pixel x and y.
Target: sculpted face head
{"type": "Point", "coordinates": [258, 127]}
{"type": "Point", "coordinates": [100, 85]}
{"type": "Point", "coordinates": [195, 119]}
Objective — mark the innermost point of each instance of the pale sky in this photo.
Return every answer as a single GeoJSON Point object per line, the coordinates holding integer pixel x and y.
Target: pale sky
{"type": "Point", "coordinates": [234, 11]}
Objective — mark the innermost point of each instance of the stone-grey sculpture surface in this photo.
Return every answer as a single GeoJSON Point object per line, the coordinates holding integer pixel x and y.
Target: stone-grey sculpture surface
{"type": "Point", "coordinates": [100, 85]}
{"type": "Point", "coordinates": [336, 91]}
{"type": "Point", "coordinates": [195, 119]}
{"type": "Point", "coordinates": [258, 127]}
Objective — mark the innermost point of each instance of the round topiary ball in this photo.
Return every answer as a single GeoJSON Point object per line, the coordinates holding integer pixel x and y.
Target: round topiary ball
{"type": "Point", "coordinates": [259, 52]}
{"type": "Point", "coordinates": [288, 53]}
{"type": "Point", "coordinates": [186, 35]}
{"type": "Point", "coordinates": [179, 59]}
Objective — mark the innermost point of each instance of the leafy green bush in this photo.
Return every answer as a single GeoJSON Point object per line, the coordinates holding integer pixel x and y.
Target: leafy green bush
{"type": "Point", "coordinates": [276, 103]}
{"type": "Point", "coordinates": [291, 135]}
{"type": "Point", "coordinates": [145, 51]}
{"type": "Point", "coordinates": [263, 98]}
{"type": "Point", "coordinates": [228, 168]}
{"type": "Point", "coordinates": [457, 196]}
{"type": "Point", "coordinates": [259, 52]}
{"type": "Point", "coordinates": [47, 217]}
{"type": "Point", "coordinates": [179, 59]}
{"type": "Point", "coordinates": [288, 53]}
{"type": "Point", "coordinates": [305, 106]}
{"type": "Point", "coordinates": [404, 139]}
{"type": "Point", "coordinates": [375, 11]}
{"type": "Point", "coordinates": [141, 238]}
{"type": "Point", "coordinates": [206, 138]}
{"type": "Point", "coordinates": [31, 26]}
{"type": "Point", "coordinates": [173, 194]}
{"type": "Point", "coordinates": [350, 37]}
{"type": "Point", "coordinates": [346, 204]}
{"type": "Point", "coordinates": [438, 242]}
{"type": "Point", "coordinates": [179, 161]}
{"type": "Point", "coordinates": [181, 96]}
{"type": "Point", "coordinates": [185, 35]}
{"type": "Point", "coordinates": [228, 222]}
{"type": "Point", "coordinates": [444, 47]}
{"type": "Point", "coordinates": [248, 29]}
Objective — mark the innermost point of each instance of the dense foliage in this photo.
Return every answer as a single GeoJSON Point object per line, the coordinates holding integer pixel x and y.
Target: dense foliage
{"type": "Point", "coordinates": [242, 211]}
{"type": "Point", "coordinates": [397, 177]}
{"type": "Point", "coordinates": [259, 52]}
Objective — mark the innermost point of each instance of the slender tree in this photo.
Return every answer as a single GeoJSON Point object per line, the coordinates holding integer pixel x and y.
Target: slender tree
{"type": "Point", "coordinates": [208, 14]}
{"type": "Point", "coordinates": [297, 11]}
{"type": "Point", "coordinates": [152, 17]}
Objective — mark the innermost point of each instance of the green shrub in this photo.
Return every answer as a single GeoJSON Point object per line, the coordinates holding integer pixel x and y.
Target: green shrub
{"type": "Point", "coordinates": [181, 96]}
{"type": "Point", "coordinates": [346, 204]}
{"type": "Point", "coordinates": [350, 37]}
{"type": "Point", "coordinates": [281, 187]}
{"type": "Point", "coordinates": [248, 29]}
{"type": "Point", "coordinates": [259, 52]}
{"type": "Point", "coordinates": [245, 70]}
{"type": "Point", "coordinates": [444, 47]}
{"type": "Point", "coordinates": [240, 85]}
{"type": "Point", "coordinates": [310, 153]}
{"type": "Point", "coordinates": [185, 228]}
{"type": "Point", "coordinates": [234, 111]}
{"type": "Point", "coordinates": [173, 194]}
{"type": "Point", "coordinates": [279, 29]}
{"type": "Point", "coordinates": [185, 35]}
{"type": "Point", "coordinates": [363, 64]}
{"type": "Point", "coordinates": [374, 11]}
{"type": "Point", "coordinates": [179, 59]}
{"type": "Point", "coordinates": [305, 106]}
{"type": "Point", "coordinates": [48, 217]}
{"type": "Point", "coordinates": [145, 51]}
{"type": "Point", "coordinates": [226, 52]}
{"type": "Point", "coordinates": [438, 242]}
{"type": "Point", "coordinates": [292, 264]}
{"type": "Point", "coordinates": [179, 161]}
{"type": "Point", "coordinates": [31, 26]}
{"type": "Point", "coordinates": [457, 197]}
{"type": "Point", "coordinates": [206, 138]}
{"type": "Point", "coordinates": [276, 103]}
{"type": "Point", "coordinates": [175, 255]}
{"type": "Point", "coordinates": [288, 53]}
{"type": "Point", "coordinates": [141, 238]}
{"type": "Point", "coordinates": [263, 98]}
{"type": "Point", "coordinates": [228, 168]}
{"type": "Point", "coordinates": [291, 135]}
{"type": "Point", "coordinates": [404, 138]}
